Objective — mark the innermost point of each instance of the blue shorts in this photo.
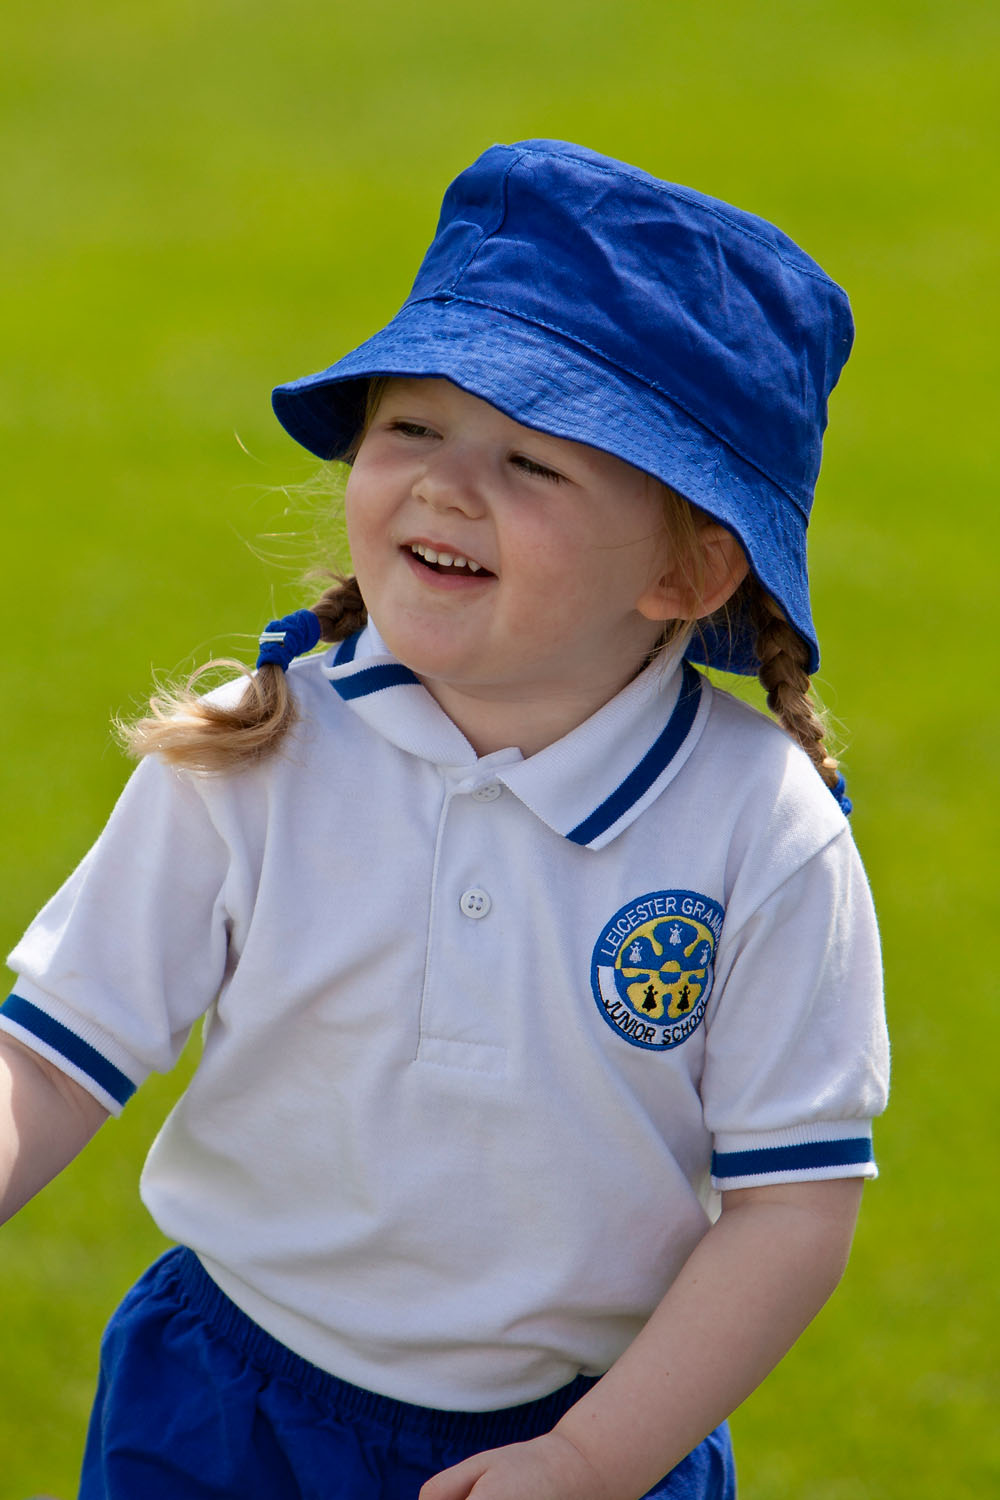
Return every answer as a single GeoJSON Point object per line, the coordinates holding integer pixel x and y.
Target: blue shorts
{"type": "Point", "coordinates": [196, 1401]}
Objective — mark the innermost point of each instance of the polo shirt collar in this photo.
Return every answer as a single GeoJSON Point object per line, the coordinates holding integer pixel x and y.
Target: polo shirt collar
{"type": "Point", "coordinates": [587, 786]}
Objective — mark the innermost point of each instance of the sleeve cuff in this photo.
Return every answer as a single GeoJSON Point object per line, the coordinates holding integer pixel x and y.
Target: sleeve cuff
{"type": "Point", "coordinates": [77, 1058]}
{"type": "Point", "coordinates": [803, 1154]}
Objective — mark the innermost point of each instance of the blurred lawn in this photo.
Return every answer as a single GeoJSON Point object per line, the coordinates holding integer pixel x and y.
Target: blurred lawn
{"type": "Point", "coordinates": [202, 199]}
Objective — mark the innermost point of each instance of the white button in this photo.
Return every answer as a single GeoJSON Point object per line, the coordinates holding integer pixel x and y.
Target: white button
{"type": "Point", "coordinates": [475, 903]}
{"type": "Point", "coordinates": [488, 793]}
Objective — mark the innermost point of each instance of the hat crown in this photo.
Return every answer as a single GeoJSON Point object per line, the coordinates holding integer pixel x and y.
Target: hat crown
{"type": "Point", "coordinates": [587, 299]}
{"type": "Point", "coordinates": [710, 306]}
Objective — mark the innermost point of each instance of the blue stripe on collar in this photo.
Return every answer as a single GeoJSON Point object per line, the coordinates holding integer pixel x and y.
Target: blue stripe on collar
{"type": "Point", "coordinates": [656, 759]}
{"type": "Point", "coordinates": [374, 679]}
{"type": "Point", "coordinates": [347, 648]}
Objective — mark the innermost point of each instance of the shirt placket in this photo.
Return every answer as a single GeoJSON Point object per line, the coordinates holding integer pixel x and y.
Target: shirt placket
{"type": "Point", "coordinates": [461, 1025]}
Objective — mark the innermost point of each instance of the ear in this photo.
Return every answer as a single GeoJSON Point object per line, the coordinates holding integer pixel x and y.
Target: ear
{"type": "Point", "coordinates": [678, 593]}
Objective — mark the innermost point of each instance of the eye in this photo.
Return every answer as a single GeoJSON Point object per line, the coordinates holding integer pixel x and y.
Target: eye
{"type": "Point", "coordinates": [410, 429]}
{"type": "Point", "coordinates": [536, 470]}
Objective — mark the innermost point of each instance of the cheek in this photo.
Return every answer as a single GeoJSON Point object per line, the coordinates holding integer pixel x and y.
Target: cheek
{"type": "Point", "coordinates": [361, 518]}
{"type": "Point", "coordinates": [558, 583]}
{"type": "Point", "coordinates": [365, 561]}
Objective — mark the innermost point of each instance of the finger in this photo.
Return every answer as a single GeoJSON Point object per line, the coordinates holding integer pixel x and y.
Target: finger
{"type": "Point", "coordinates": [455, 1483]}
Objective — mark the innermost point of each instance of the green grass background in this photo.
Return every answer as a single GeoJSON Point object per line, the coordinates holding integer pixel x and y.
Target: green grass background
{"type": "Point", "coordinates": [203, 197]}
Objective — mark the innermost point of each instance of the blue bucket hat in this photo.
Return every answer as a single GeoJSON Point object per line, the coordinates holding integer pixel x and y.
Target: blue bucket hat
{"type": "Point", "coordinates": [588, 299]}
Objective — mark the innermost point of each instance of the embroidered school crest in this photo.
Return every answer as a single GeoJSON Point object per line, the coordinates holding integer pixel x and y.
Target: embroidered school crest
{"type": "Point", "coordinates": [653, 967]}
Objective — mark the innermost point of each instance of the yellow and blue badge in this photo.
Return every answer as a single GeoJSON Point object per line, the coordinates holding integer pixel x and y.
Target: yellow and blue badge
{"type": "Point", "coordinates": [653, 967]}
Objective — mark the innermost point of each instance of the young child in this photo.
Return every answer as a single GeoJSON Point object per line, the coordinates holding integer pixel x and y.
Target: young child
{"type": "Point", "coordinates": [520, 948]}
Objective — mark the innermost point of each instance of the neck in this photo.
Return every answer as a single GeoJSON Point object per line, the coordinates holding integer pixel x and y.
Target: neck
{"type": "Point", "coordinates": [531, 722]}
{"type": "Point", "coordinates": [528, 725]}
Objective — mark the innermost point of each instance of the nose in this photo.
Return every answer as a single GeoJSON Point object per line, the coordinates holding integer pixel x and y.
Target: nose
{"type": "Point", "coordinates": [451, 479]}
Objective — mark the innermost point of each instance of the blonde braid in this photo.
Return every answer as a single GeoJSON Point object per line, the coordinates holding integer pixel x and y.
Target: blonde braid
{"type": "Point", "coordinates": [783, 672]}
{"type": "Point", "coordinates": [187, 730]}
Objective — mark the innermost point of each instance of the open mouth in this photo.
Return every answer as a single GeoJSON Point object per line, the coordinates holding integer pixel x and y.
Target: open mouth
{"type": "Point", "coordinates": [448, 563]}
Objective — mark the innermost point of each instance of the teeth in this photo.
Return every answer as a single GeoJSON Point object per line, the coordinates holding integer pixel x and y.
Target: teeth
{"type": "Point", "coordinates": [444, 559]}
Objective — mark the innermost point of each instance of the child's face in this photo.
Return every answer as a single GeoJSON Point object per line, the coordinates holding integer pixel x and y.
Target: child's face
{"type": "Point", "coordinates": [562, 590]}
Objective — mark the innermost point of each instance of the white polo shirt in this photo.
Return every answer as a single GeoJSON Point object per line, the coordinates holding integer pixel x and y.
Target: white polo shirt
{"type": "Point", "coordinates": [474, 1026]}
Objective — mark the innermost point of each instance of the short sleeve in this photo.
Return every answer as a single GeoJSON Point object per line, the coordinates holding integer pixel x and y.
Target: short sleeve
{"type": "Point", "coordinates": [796, 1049]}
{"type": "Point", "coordinates": [118, 966]}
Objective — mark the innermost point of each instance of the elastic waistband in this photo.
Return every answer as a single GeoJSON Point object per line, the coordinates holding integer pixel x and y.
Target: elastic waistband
{"type": "Point", "coordinates": [478, 1429]}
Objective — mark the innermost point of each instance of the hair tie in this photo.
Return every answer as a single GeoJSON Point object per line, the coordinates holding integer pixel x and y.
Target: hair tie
{"type": "Point", "coordinates": [839, 790]}
{"type": "Point", "coordinates": [287, 638]}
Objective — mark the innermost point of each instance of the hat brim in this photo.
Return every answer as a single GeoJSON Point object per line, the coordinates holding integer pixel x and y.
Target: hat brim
{"type": "Point", "coordinates": [545, 381]}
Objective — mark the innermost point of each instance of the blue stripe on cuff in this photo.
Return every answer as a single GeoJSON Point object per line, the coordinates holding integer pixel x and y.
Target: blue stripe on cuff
{"type": "Point", "coordinates": [656, 759]}
{"type": "Point", "coordinates": [374, 679]}
{"type": "Point", "coordinates": [813, 1154]}
{"type": "Point", "coordinates": [80, 1053]}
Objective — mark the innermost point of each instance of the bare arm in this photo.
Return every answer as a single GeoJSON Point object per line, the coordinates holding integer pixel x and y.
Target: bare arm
{"type": "Point", "coordinates": [746, 1293]}
{"type": "Point", "coordinates": [45, 1119]}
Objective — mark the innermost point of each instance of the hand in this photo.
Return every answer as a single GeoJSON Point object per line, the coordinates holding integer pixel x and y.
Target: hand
{"type": "Point", "coordinates": [547, 1468]}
